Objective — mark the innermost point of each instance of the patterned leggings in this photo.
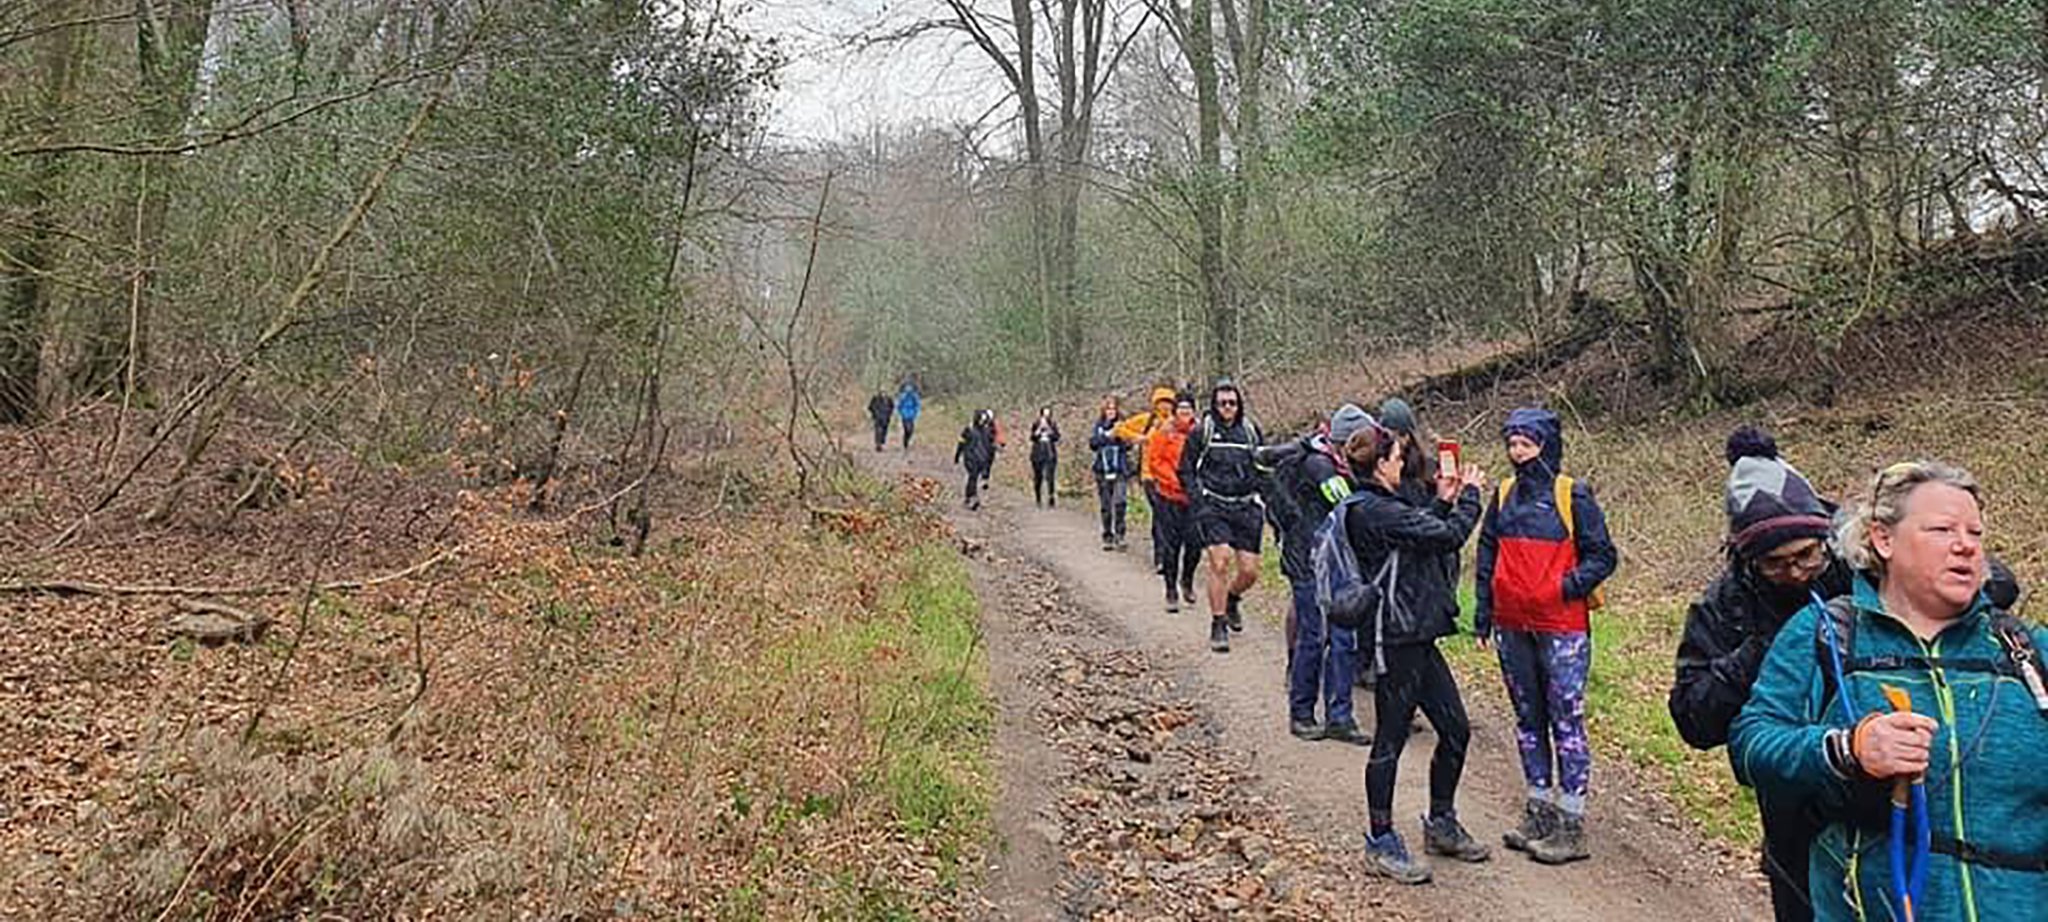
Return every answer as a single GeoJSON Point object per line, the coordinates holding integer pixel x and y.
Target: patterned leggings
{"type": "Point", "coordinates": [1546, 679]}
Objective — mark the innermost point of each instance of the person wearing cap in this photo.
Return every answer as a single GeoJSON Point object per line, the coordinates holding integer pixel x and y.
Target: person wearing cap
{"type": "Point", "coordinates": [1322, 664]}
{"type": "Point", "coordinates": [1779, 558]}
{"type": "Point", "coordinates": [1543, 552]}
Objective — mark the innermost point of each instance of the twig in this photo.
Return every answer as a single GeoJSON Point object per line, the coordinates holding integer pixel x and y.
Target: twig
{"type": "Point", "coordinates": [65, 587]}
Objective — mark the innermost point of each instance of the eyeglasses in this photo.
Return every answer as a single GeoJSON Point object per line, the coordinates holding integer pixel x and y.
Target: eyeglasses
{"type": "Point", "coordinates": [1796, 559]}
{"type": "Point", "coordinates": [1226, 403]}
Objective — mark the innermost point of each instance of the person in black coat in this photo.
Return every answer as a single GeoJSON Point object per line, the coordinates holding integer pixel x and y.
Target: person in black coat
{"type": "Point", "coordinates": [1398, 543]}
{"type": "Point", "coordinates": [1045, 458]}
{"type": "Point", "coordinates": [880, 408]}
{"type": "Point", "coordinates": [976, 451]}
{"type": "Point", "coordinates": [1780, 557]}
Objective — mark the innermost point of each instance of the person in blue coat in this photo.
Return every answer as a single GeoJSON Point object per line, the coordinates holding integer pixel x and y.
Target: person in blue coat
{"type": "Point", "coordinates": [1914, 680]}
{"type": "Point", "coordinates": [908, 403]}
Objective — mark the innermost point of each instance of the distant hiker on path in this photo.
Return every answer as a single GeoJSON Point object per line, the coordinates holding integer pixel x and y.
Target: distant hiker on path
{"type": "Point", "coordinates": [1311, 476]}
{"type": "Point", "coordinates": [880, 408]}
{"type": "Point", "coordinates": [1218, 471]}
{"type": "Point", "coordinates": [1045, 459]}
{"type": "Point", "coordinates": [1914, 713]}
{"type": "Point", "coordinates": [1180, 552]}
{"type": "Point", "coordinates": [1389, 535]}
{"type": "Point", "coordinates": [976, 452]}
{"type": "Point", "coordinates": [908, 404]}
{"type": "Point", "coordinates": [1112, 469]}
{"type": "Point", "coordinates": [1543, 553]}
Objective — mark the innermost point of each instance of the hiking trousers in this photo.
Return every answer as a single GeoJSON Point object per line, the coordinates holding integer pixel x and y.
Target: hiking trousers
{"type": "Point", "coordinates": [1113, 493]}
{"type": "Point", "coordinates": [1325, 660]}
{"type": "Point", "coordinates": [975, 477]}
{"type": "Point", "coordinates": [881, 433]}
{"type": "Point", "coordinates": [1417, 678]}
{"type": "Point", "coordinates": [909, 427]}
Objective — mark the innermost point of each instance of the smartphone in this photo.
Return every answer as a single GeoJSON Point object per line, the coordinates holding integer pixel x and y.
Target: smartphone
{"type": "Point", "coordinates": [1447, 456]}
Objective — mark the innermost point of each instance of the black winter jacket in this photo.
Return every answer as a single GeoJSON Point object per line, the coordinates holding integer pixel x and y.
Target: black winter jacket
{"type": "Point", "coordinates": [880, 408]}
{"type": "Point", "coordinates": [1045, 441]}
{"type": "Point", "coordinates": [977, 448]}
{"type": "Point", "coordinates": [1301, 504]}
{"type": "Point", "coordinates": [1218, 462]}
{"type": "Point", "coordinates": [1424, 605]}
{"type": "Point", "coordinates": [1731, 627]}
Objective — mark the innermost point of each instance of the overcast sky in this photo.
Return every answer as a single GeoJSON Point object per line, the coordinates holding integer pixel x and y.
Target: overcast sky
{"type": "Point", "coordinates": [830, 91]}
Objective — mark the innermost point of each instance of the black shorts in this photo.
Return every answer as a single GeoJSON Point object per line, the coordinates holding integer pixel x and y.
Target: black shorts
{"type": "Point", "coordinates": [1239, 524]}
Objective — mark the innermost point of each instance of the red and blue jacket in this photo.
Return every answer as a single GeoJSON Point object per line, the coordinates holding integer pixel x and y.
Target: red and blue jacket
{"type": "Point", "coordinates": [1535, 573]}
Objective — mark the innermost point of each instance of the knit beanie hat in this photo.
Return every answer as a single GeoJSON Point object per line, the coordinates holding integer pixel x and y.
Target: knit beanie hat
{"type": "Point", "coordinates": [1769, 501]}
{"type": "Point", "coordinates": [1397, 415]}
{"type": "Point", "coordinates": [1347, 421]}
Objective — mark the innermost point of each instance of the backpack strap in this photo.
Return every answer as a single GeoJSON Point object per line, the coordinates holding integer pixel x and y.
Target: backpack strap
{"type": "Point", "coordinates": [1502, 492]}
{"type": "Point", "coordinates": [1561, 487]}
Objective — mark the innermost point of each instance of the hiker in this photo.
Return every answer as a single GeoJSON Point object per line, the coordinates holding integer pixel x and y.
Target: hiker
{"type": "Point", "coordinates": [1112, 470]}
{"type": "Point", "coordinates": [1135, 431]}
{"type": "Point", "coordinates": [880, 408]}
{"type": "Point", "coordinates": [976, 452]}
{"type": "Point", "coordinates": [1778, 557]}
{"type": "Point", "coordinates": [1223, 480]}
{"type": "Point", "coordinates": [908, 403]}
{"type": "Point", "coordinates": [1389, 536]}
{"type": "Point", "coordinates": [1418, 473]}
{"type": "Point", "coordinates": [1311, 476]}
{"type": "Point", "coordinates": [1180, 549]}
{"type": "Point", "coordinates": [1913, 714]}
{"type": "Point", "coordinates": [1045, 458]}
{"type": "Point", "coordinates": [1543, 553]}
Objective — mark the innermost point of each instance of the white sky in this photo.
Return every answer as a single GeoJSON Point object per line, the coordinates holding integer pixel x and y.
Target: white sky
{"type": "Point", "coordinates": [831, 91]}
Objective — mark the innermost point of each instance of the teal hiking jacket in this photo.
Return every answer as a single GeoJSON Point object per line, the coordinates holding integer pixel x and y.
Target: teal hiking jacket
{"type": "Point", "coordinates": [1987, 781]}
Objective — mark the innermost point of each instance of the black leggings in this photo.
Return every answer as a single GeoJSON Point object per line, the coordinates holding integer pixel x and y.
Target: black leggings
{"type": "Point", "coordinates": [1179, 550]}
{"type": "Point", "coordinates": [1044, 478]}
{"type": "Point", "coordinates": [1417, 677]}
{"type": "Point", "coordinates": [975, 475]}
{"type": "Point", "coordinates": [881, 433]}
{"type": "Point", "coordinates": [909, 429]}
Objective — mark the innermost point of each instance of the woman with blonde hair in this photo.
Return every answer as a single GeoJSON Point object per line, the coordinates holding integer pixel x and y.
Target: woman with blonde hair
{"type": "Point", "coordinates": [1913, 714]}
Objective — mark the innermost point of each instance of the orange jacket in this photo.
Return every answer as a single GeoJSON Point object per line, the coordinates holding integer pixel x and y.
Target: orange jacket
{"type": "Point", "coordinates": [1162, 461]}
{"type": "Point", "coordinates": [1137, 428]}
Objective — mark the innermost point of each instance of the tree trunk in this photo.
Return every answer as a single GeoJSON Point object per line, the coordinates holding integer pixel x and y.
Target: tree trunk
{"type": "Point", "coordinates": [1208, 197]}
{"type": "Point", "coordinates": [169, 35]}
{"type": "Point", "coordinates": [25, 257]}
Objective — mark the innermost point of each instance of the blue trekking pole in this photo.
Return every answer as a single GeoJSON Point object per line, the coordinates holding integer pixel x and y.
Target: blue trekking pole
{"type": "Point", "coordinates": [1909, 798]}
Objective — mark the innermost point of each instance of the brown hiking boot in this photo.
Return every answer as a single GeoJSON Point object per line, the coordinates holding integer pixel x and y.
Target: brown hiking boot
{"type": "Point", "coordinates": [1539, 819]}
{"type": "Point", "coordinates": [1565, 844]}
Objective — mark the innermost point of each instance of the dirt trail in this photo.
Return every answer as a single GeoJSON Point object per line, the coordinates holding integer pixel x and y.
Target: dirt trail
{"type": "Point", "coordinates": [1079, 640]}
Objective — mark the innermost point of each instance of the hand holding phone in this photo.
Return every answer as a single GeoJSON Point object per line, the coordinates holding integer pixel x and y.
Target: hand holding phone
{"type": "Point", "coordinates": [1447, 454]}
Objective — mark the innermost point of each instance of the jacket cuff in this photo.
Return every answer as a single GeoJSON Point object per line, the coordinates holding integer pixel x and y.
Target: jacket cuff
{"type": "Point", "coordinates": [1839, 748]}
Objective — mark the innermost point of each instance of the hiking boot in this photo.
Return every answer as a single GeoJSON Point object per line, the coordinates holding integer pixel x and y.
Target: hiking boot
{"type": "Point", "coordinates": [1219, 636]}
{"type": "Point", "coordinates": [1346, 731]}
{"type": "Point", "coordinates": [1306, 730]}
{"type": "Point", "coordinates": [1539, 819]}
{"type": "Point", "coordinates": [1172, 599]}
{"type": "Point", "coordinates": [1388, 857]}
{"type": "Point", "coordinates": [1108, 543]}
{"type": "Point", "coordinates": [1565, 844]}
{"type": "Point", "coordinates": [1234, 616]}
{"type": "Point", "coordinates": [1441, 835]}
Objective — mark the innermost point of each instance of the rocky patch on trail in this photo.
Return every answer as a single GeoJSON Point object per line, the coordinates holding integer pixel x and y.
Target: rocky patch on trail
{"type": "Point", "coordinates": [1156, 817]}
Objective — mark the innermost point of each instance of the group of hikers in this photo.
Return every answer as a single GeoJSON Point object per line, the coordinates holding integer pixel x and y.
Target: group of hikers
{"type": "Point", "coordinates": [1860, 663]}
